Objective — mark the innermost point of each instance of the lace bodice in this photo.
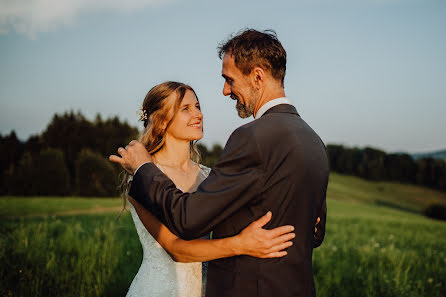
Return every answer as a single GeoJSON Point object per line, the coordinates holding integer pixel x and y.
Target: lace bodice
{"type": "Point", "coordinates": [159, 275]}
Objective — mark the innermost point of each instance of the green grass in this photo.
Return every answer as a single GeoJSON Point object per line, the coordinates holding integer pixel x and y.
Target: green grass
{"type": "Point", "coordinates": [370, 249]}
{"type": "Point", "coordinates": [402, 196]}
{"type": "Point", "coordinates": [43, 206]}
{"type": "Point", "coordinates": [377, 251]}
{"type": "Point", "coordinates": [86, 255]}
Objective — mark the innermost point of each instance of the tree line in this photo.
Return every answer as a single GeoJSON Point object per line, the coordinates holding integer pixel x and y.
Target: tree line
{"type": "Point", "coordinates": [373, 164]}
{"type": "Point", "coordinates": [70, 157]}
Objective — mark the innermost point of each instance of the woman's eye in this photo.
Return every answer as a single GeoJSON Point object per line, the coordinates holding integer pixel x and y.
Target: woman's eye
{"type": "Point", "coordinates": [198, 106]}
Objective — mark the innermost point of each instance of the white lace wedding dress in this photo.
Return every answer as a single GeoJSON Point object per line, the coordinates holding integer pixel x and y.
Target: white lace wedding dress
{"type": "Point", "coordinates": [159, 275]}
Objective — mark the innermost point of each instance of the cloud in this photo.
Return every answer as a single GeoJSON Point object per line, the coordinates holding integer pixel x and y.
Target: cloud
{"type": "Point", "coordinates": [30, 17]}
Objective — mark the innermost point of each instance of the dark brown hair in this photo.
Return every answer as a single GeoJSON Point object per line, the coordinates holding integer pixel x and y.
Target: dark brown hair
{"type": "Point", "coordinates": [252, 48]}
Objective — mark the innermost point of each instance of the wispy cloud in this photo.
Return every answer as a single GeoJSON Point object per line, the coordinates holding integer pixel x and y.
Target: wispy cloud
{"type": "Point", "coordinates": [30, 17]}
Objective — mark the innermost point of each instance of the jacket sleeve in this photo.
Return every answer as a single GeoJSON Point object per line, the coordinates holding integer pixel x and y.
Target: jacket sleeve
{"type": "Point", "coordinates": [231, 184]}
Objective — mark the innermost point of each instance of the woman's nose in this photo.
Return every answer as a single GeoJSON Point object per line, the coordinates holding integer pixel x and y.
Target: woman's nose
{"type": "Point", "coordinates": [198, 113]}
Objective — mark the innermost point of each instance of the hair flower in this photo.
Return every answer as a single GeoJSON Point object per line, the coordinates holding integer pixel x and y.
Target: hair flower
{"type": "Point", "coordinates": [142, 113]}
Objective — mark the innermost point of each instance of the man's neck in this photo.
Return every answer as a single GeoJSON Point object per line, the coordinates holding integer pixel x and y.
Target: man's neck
{"type": "Point", "coordinates": [266, 97]}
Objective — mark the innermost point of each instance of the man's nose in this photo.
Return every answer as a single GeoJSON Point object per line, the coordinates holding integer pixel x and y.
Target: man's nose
{"type": "Point", "coordinates": [226, 89]}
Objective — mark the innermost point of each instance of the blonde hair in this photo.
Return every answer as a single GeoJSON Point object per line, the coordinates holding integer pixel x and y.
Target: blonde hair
{"type": "Point", "coordinates": [158, 110]}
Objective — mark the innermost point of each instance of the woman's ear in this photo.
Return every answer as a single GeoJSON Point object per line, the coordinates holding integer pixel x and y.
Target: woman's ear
{"type": "Point", "coordinates": [164, 126]}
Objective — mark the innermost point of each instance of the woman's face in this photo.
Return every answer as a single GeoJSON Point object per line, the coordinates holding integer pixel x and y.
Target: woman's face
{"type": "Point", "coordinates": [187, 123]}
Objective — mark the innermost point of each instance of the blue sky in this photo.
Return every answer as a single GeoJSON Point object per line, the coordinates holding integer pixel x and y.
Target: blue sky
{"type": "Point", "coordinates": [361, 73]}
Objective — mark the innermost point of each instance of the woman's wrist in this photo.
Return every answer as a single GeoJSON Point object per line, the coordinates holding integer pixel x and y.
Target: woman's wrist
{"type": "Point", "coordinates": [235, 245]}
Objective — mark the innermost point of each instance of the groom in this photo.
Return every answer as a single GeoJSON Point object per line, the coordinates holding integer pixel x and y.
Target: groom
{"type": "Point", "coordinates": [276, 162]}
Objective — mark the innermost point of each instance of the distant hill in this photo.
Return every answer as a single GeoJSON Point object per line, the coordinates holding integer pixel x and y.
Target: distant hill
{"type": "Point", "coordinates": [435, 155]}
{"type": "Point", "coordinates": [407, 197]}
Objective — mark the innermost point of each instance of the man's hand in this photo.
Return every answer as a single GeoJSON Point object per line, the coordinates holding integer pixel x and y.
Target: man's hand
{"type": "Point", "coordinates": [132, 156]}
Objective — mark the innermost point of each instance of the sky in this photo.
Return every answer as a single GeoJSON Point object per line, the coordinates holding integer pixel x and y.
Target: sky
{"type": "Point", "coordinates": [360, 73]}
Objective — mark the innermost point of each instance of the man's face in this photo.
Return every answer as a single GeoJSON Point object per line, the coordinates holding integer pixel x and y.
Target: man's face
{"type": "Point", "coordinates": [239, 87]}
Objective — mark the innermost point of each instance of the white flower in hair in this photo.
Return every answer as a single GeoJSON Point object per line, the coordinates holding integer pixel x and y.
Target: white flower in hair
{"type": "Point", "coordinates": [142, 113]}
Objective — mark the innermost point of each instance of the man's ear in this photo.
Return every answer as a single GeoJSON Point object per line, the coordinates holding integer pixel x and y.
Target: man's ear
{"type": "Point", "coordinates": [258, 77]}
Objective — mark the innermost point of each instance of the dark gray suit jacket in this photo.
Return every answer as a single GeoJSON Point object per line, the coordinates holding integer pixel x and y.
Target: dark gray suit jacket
{"type": "Point", "coordinates": [276, 163]}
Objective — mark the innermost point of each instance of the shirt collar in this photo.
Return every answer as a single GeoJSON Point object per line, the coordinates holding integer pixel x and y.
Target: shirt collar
{"type": "Point", "coordinates": [270, 104]}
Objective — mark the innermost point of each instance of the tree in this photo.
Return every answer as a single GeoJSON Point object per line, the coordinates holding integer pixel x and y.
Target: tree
{"type": "Point", "coordinates": [400, 167]}
{"type": "Point", "coordinates": [45, 174]}
{"type": "Point", "coordinates": [52, 175]}
{"type": "Point", "coordinates": [372, 164]}
{"type": "Point", "coordinates": [95, 175]}
{"type": "Point", "coordinates": [210, 157]}
{"type": "Point", "coordinates": [426, 172]}
{"type": "Point", "coordinates": [72, 133]}
{"type": "Point", "coordinates": [11, 151]}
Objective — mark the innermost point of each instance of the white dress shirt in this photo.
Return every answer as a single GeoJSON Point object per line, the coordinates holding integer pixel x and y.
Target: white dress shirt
{"type": "Point", "coordinates": [271, 104]}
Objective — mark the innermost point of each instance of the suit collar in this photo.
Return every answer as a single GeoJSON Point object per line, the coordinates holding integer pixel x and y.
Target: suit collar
{"type": "Point", "coordinates": [271, 104]}
{"type": "Point", "coordinates": [281, 108]}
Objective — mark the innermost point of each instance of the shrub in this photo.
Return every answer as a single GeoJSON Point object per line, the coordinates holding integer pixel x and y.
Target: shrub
{"type": "Point", "coordinates": [436, 211]}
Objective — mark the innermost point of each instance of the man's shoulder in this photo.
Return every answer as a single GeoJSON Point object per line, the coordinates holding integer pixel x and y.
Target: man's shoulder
{"type": "Point", "coordinates": [269, 124]}
{"type": "Point", "coordinates": [243, 131]}
{"type": "Point", "coordinates": [257, 124]}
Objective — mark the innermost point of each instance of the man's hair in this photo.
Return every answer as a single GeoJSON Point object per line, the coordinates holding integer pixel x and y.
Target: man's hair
{"type": "Point", "coordinates": [252, 48]}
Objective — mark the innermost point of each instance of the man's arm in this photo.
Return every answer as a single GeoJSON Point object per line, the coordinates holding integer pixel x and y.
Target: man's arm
{"type": "Point", "coordinates": [252, 241]}
{"type": "Point", "coordinates": [320, 233]}
{"type": "Point", "coordinates": [233, 182]}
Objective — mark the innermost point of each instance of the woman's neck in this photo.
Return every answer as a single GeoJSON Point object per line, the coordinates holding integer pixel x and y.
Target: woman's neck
{"type": "Point", "coordinates": [175, 153]}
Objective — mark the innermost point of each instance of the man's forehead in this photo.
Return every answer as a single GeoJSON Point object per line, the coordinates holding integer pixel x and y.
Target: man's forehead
{"type": "Point", "coordinates": [227, 64]}
{"type": "Point", "coordinates": [228, 59]}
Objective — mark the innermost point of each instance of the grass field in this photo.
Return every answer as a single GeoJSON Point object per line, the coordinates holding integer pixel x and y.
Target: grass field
{"type": "Point", "coordinates": [58, 247]}
{"type": "Point", "coordinates": [14, 207]}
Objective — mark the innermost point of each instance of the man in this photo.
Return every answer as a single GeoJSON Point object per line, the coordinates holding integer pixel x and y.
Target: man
{"type": "Point", "coordinates": [276, 162]}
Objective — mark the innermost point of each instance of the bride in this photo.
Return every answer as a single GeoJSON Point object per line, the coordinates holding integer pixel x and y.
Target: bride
{"type": "Point", "coordinates": [172, 267]}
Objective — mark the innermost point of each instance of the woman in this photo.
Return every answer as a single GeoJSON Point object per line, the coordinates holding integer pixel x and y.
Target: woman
{"type": "Point", "coordinates": [172, 122]}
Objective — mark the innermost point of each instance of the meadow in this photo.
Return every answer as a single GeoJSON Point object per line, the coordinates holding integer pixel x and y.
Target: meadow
{"type": "Point", "coordinates": [377, 244]}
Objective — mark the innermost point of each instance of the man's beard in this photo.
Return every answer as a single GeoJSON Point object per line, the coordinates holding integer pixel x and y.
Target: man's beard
{"type": "Point", "coordinates": [245, 111]}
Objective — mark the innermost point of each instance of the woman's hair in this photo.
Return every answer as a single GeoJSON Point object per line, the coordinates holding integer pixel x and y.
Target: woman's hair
{"type": "Point", "coordinates": [156, 110]}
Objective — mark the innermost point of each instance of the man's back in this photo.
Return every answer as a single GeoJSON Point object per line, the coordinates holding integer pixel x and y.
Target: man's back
{"type": "Point", "coordinates": [293, 172]}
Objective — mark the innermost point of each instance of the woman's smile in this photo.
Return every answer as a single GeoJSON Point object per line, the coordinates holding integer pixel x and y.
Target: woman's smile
{"type": "Point", "coordinates": [196, 125]}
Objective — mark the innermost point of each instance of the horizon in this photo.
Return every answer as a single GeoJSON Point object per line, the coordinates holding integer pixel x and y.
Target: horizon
{"type": "Point", "coordinates": [360, 74]}
{"type": "Point", "coordinates": [209, 145]}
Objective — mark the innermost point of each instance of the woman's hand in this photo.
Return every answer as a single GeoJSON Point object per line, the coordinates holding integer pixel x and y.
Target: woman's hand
{"type": "Point", "coordinates": [261, 243]}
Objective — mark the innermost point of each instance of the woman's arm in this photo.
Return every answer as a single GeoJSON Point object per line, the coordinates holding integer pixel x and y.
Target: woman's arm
{"type": "Point", "coordinates": [253, 240]}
